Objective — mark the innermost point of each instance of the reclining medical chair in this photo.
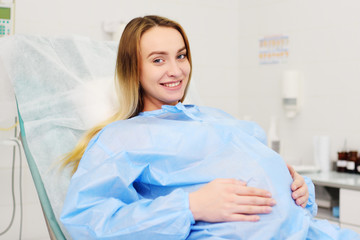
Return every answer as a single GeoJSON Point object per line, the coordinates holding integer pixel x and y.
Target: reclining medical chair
{"type": "Point", "coordinates": [63, 86]}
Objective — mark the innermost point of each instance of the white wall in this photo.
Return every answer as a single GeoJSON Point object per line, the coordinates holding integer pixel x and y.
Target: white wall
{"type": "Point", "coordinates": [324, 47]}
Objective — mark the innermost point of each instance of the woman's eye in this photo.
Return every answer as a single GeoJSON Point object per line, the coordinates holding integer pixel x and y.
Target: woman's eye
{"type": "Point", "coordinates": [182, 56]}
{"type": "Point", "coordinates": [158, 60]}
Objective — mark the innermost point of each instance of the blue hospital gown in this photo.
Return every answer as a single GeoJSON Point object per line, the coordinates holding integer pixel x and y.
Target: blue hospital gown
{"type": "Point", "coordinates": [134, 178]}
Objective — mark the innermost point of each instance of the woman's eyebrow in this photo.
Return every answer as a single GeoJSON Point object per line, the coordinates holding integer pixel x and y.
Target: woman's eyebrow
{"type": "Point", "coordinates": [163, 52]}
{"type": "Point", "coordinates": [182, 49]}
{"type": "Point", "coordinates": [157, 52]}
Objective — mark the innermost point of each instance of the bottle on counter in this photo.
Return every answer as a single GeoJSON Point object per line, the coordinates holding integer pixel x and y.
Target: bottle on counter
{"type": "Point", "coordinates": [357, 166]}
{"type": "Point", "coordinates": [341, 163]}
{"type": "Point", "coordinates": [351, 162]}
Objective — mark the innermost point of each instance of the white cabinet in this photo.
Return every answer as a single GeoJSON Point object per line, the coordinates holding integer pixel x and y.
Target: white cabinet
{"type": "Point", "coordinates": [348, 186]}
{"type": "Point", "coordinates": [350, 209]}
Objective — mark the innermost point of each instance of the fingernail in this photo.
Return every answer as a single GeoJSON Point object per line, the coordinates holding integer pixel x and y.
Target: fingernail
{"type": "Point", "coordinates": [273, 202]}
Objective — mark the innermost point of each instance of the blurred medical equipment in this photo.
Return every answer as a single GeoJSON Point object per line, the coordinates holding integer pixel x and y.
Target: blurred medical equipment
{"type": "Point", "coordinates": [7, 19]}
{"type": "Point", "coordinates": [15, 143]}
{"type": "Point", "coordinates": [7, 106]}
{"type": "Point", "coordinates": [63, 86]}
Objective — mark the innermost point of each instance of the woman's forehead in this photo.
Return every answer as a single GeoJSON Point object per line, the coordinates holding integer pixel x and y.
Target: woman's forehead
{"type": "Point", "coordinates": [161, 39]}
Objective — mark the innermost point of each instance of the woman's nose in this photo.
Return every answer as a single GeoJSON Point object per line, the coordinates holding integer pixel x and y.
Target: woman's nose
{"type": "Point", "coordinates": [174, 69]}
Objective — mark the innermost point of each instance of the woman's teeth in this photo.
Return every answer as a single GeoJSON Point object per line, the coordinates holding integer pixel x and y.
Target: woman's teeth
{"type": "Point", "coordinates": [172, 84]}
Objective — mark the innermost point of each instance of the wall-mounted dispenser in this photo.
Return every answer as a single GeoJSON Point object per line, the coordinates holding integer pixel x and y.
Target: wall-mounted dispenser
{"type": "Point", "coordinates": [291, 92]}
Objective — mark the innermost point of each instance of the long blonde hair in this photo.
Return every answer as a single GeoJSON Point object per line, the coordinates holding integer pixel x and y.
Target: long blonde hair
{"type": "Point", "coordinates": [127, 78]}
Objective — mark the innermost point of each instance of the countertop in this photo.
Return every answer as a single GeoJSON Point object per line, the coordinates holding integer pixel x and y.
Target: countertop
{"type": "Point", "coordinates": [335, 179]}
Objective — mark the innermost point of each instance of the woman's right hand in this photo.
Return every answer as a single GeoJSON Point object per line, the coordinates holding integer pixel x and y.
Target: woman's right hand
{"type": "Point", "coordinates": [225, 200]}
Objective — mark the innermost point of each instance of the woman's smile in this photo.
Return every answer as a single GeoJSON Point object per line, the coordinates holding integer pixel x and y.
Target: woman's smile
{"type": "Point", "coordinates": [172, 85]}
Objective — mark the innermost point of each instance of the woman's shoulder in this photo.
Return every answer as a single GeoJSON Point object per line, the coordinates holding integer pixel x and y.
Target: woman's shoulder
{"type": "Point", "coordinates": [250, 127]}
{"type": "Point", "coordinates": [124, 127]}
{"type": "Point", "coordinates": [114, 137]}
{"type": "Point", "coordinates": [215, 112]}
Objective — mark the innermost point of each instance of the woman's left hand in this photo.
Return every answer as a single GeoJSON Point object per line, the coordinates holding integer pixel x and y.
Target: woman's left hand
{"type": "Point", "coordinates": [299, 188]}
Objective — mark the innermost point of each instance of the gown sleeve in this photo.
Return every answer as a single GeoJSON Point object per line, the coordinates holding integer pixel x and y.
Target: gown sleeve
{"type": "Point", "coordinates": [102, 203]}
{"type": "Point", "coordinates": [311, 206]}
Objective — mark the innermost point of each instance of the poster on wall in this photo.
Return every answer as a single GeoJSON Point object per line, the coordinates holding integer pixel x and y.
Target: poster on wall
{"type": "Point", "coordinates": [274, 49]}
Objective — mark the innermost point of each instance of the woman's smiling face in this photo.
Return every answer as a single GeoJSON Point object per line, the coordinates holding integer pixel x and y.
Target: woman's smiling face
{"type": "Point", "coordinates": [164, 67]}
